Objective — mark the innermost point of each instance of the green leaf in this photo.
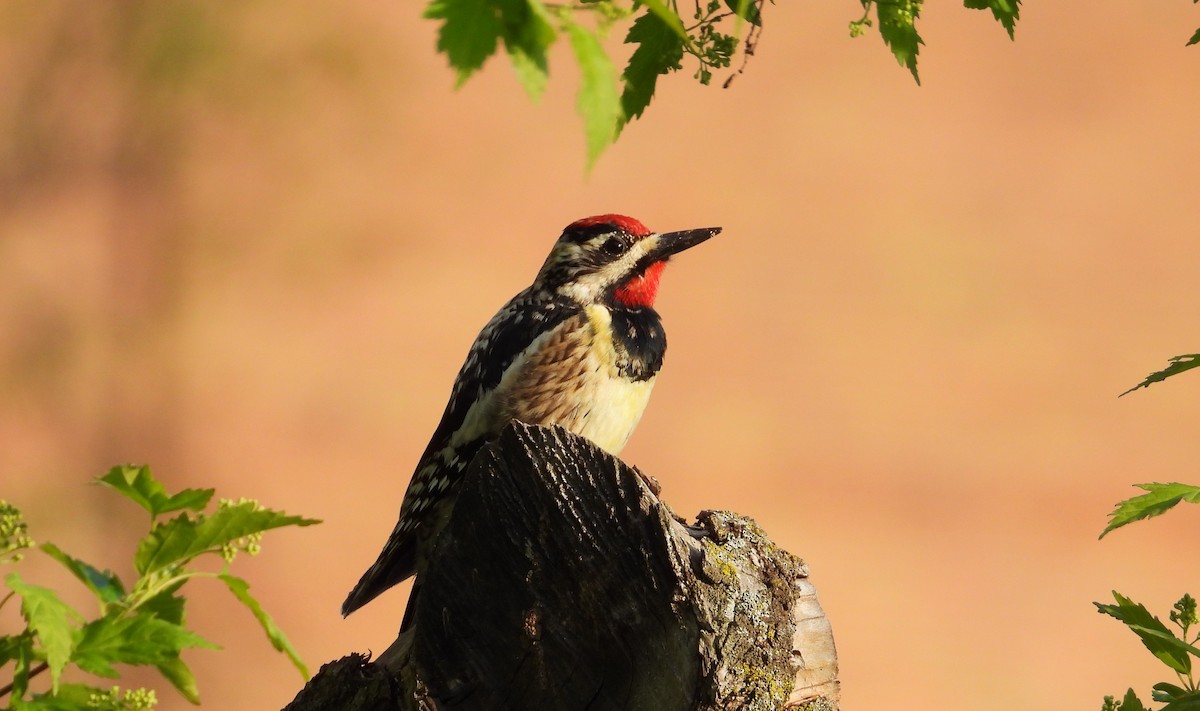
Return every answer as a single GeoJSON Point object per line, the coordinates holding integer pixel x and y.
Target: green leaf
{"type": "Point", "coordinates": [1188, 702]}
{"type": "Point", "coordinates": [137, 484]}
{"type": "Point", "coordinates": [669, 17]}
{"type": "Point", "coordinates": [68, 697]}
{"type": "Point", "coordinates": [167, 543]}
{"type": "Point", "coordinates": [528, 33]}
{"type": "Point", "coordinates": [1161, 498]}
{"type": "Point", "coordinates": [1179, 363]}
{"type": "Point", "coordinates": [1195, 38]}
{"type": "Point", "coordinates": [1168, 637]}
{"type": "Point", "coordinates": [1168, 692]}
{"type": "Point", "coordinates": [10, 647]}
{"type": "Point", "coordinates": [1169, 649]}
{"type": "Point", "coordinates": [469, 33]}
{"type": "Point", "coordinates": [23, 656]}
{"type": "Point", "coordinates": [746, 10]}
{"type": "Point", "coordinates": [1131, 702]}
{"type": "Point", "coordinates": [166, 605]}
{"type": "Point", "coordinates": [1006, 11]}
{"type": "Point", "coordinates": [106, 585]}
{"type": "Point", "coordinates": [598, 102]}
{"type": "Point", "coordinates": [897, 26]}
{"type": "Point", "coordinates": [50, 619]}
{"type": "Point", "coordinates": [181, 677]}
{"type": "Point", "coordinates": [241, 590]}
{"type": "Point", "coordinates": [183, 537]}
{"type": "Point", "coordinates": [659, 51]}
{"type": "Point", "coordinates": [141, 639]}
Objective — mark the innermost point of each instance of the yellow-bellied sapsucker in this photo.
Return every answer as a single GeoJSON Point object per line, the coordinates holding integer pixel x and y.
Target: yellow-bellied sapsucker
{"type": "Point", "coordinates": [580, 348]}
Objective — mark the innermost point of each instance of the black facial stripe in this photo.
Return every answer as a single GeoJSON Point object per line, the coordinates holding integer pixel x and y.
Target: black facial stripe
{"type": "Point", "coordinates": [646, 261]}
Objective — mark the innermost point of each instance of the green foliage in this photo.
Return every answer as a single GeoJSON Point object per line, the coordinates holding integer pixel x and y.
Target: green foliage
{"type": "Point", "coordinates": [234, 526]}
{"type": "Point", "coordinates": [1006, 12]}
{"type": "Point", "coordinates": [471, 31]}
{"type": "Point", "coordinates": [104, 585]}
{"type": "Point", "coordinates": [14, 533]}
{"type": "Point", "coordinates": [50, 620]}
{"type": "Point", "coordinates": [136, 484]}
{"type": "Point", "coordinates": [898, 24]}
{"type": "Point", "coordinates": [143, 624]}
{"type": "Point", "coordinates": [745, 10]}
{"type": "Point", "coordinates": [1173, 649]}
{"type": "Point", "coordinates": [713, 48]}
{"type": "Point", "coordinates": [528, 31]}
{"type": "Point", "coordinates": [71, 697]}
{"type": "Point", "coordinates": [898, 27]}
{"type": "Point", "coordinates": [661, 32]}
{"type": "Point", "coordinates": [598, 102]}
{"type": "Point", "coordinates": [1161, 497]}
{"type": "Point", "coordinates": [1130, 703]}
{"type": "Point", "coordinates": [241, 590]}
{"type": "Point", "coordinates": [659, 50]}
{"type": "Point", "coordinates": [1179, 363]}
{"type": "Point", "coordinates": [118, 638]}
{"type": "Point", "coordinates": [1162, 643]}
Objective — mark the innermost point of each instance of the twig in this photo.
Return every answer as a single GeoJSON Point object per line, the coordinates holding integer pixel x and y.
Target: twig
{"type": "Point", "coordinates": [7, 689]}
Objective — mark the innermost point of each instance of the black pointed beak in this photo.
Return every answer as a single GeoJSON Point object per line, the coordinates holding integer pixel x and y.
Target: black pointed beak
{"type": "Point", "coordinates": [675, 242]}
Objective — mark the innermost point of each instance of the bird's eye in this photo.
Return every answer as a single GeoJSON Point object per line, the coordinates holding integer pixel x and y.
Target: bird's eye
{"type": "Point", "coordinates": [613, 247]}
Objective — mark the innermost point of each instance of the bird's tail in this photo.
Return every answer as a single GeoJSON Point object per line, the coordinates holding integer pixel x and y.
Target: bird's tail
{"type": "Point", "coordinates": [397, 562]}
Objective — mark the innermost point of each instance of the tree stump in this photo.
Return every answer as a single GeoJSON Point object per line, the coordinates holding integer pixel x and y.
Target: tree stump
{"type": "Point", "coordinates": [561, 581]}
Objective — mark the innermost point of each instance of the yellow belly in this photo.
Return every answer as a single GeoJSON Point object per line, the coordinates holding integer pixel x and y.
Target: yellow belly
{"type": "Point", "coordinates": [572, 381]}
{"type": "Point", "coordinates": [613, 410]}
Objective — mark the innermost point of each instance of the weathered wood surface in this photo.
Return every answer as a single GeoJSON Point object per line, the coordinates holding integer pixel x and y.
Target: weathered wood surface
{"type": "Point", "coordinates": [561, 581]}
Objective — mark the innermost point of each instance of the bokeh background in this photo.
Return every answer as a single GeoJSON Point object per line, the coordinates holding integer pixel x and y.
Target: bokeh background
{"type": "Point", "coordinates": [249, 244]}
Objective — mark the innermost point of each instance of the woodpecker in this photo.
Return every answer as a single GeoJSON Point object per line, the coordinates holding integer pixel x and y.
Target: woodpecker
{"type": "Point", "coordinates": [579, 348]}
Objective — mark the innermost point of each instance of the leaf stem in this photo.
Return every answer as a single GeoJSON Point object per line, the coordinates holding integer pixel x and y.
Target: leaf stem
{"type": "Point", "coordinates": [866, 12]}
{"type": "Point", "coordinates": [709, 20]}
{"type": "Point", "coordinates": [140, 597]}
{"type": "Point", "coordinates": [7, 688]}
{"type": "Point", "coordinates": [1186, 680]}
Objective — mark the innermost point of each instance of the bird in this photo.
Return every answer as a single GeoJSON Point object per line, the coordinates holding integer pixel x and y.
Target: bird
{"type": "Point", "coordinates": [579, 348]}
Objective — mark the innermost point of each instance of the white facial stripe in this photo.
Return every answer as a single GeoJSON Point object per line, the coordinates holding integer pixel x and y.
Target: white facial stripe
{"type": "Point", "coordinates": [587, 287]}
{"type": "Point", "coordinates": [610, 273]}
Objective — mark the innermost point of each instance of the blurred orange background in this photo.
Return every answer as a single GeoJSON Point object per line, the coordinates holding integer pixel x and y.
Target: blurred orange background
{"type": "Point", "coordinates": [249, 244]}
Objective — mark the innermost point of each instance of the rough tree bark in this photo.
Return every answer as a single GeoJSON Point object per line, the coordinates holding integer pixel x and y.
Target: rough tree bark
{"type": "Point", "coordinates": [561, 581]}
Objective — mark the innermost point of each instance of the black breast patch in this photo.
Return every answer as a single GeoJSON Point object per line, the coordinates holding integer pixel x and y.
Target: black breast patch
{"type": "Point", "coordinates": [640, 342]}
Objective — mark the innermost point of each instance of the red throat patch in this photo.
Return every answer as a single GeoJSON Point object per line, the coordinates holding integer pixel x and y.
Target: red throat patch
{"type": "Point", "coordinates": [639, 291]}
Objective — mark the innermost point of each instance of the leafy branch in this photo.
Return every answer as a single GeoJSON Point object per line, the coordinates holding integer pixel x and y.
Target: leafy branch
{"type": "Point", "coordinates": [1178, 364]}
{"type": "Point", "coordinates": [898, 24]}
{"type": "Point", "coordinates": [662, 33]}
{"type": "Point", "coordinates": [471, 31]}
{"type": "Point", "coordinates": [1160, 499]}
{"type": "Point", "coordinates": [139, 625]}
{"type": "Point", "coordinates": [1175, 649]}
